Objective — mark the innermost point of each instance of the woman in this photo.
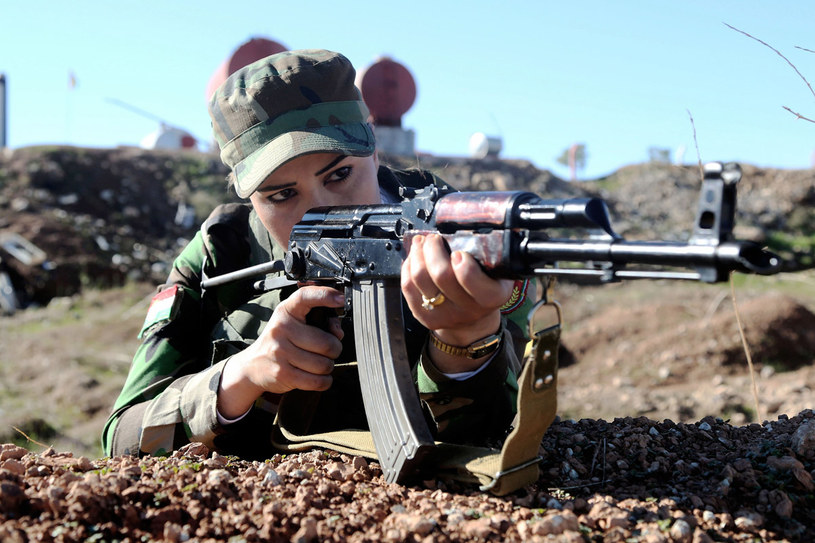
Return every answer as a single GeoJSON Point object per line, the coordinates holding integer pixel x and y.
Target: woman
{"type": "Point", "coordinates": [214, 363]}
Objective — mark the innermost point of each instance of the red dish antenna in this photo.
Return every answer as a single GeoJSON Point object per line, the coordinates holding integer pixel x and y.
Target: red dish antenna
{"type": "Point", "coordinates": [249, 52]}
{"type": "Point", "coordinates": [388, 90]}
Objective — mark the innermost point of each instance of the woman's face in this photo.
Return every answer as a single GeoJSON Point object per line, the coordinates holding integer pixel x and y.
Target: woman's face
{"type": "Point", "coordinates": [308, 181]}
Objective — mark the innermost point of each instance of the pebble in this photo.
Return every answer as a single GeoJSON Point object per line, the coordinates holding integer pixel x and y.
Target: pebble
{"type": "Point", "coordinates": [803, 441]}
{"type": "Point", "coordinates": [565, 521]}
{"type": "Point", "coordinates": [271, 478]}
{"type": "Point", "coordinates": [217, 461]}
{"type": "Point", "coordinates": [8, 450]}
{"type": "Point", "coordinates": [299, 474]}
{"type": "Point", "coordinates": [218, 476]}
{"type": "Point", "coordinates": [360, 463]}
{"type": "Point", "coordinates": [554, 504]}
{"type": "Point", "coordinates": [14, 466]}
{"type": "Point", "coordinates": [307, 531]}
{"type": "Point", "coordinates": [681, 531]}
{"type": "Point", "coordinates": [413, 523]}
{"type": "Point", "coordinates": [749, 521]}
{"type": "Point", "coordinates": [11, 495]}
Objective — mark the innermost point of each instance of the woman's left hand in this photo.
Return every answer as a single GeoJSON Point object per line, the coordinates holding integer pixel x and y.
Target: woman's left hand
{"type": "Point", "coordinates": [471, 299]}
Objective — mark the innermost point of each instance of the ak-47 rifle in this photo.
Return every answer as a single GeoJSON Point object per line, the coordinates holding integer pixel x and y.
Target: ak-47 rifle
{"type": "Point", "coordinates": [361, 249]}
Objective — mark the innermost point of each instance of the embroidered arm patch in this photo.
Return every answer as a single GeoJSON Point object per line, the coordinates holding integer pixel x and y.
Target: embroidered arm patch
{"type": "Point", "coordinates": [163, 307]}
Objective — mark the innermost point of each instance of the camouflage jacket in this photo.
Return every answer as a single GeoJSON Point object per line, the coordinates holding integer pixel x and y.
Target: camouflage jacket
{"type": "Point", "coordinates": [169, 397]}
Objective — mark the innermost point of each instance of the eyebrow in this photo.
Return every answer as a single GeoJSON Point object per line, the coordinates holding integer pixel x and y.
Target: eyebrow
{"type": "Point", "coordinates": [275, 187]}
{"type": "Point", "coordinates": [287, 185]}
{"type": "Point", "coordinates": [330, 165]}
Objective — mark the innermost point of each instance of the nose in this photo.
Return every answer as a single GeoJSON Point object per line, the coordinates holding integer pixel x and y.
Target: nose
{"type": "Point", "coordinates": [326, 198]}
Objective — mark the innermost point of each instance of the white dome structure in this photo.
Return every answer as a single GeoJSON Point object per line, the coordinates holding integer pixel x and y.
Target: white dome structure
{"type": "Point", "coordinates": [168, 137]}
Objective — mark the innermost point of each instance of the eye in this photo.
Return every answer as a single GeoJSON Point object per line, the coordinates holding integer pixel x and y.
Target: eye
{"type": "Point", "coordinates": [340, 174]}
{"type": "Point", "coordinates": [282, 195]}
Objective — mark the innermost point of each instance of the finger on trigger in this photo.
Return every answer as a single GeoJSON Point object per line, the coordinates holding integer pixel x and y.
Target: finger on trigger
{"type": "Point", "coordinates": [307, 298]}
{"type": "Point", "coordinates": [335, 327]}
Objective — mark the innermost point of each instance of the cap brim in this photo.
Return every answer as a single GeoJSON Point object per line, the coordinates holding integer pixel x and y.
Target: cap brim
{"type": "Point", "coordinates": [356, 139]}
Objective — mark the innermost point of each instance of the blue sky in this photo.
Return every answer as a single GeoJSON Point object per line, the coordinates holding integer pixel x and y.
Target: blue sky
{"type": "Point", "coordinates": [618, 76]}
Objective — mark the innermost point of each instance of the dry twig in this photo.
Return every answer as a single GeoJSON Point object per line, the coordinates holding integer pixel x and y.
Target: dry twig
{"type": "Point", "coordinates": [746, 350]}
{"type": "Point", "coordinates": [798, 114]}
{"type": "Point", "coordinates": [696, 144]}
{"type": "Point", "coordinates": [29, 439]}
{"type": "Point", "coordinates": [777, 52]}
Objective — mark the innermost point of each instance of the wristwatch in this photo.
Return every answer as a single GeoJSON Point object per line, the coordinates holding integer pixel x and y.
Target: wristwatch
{"type": "Point", "coordinates": [477, 349]}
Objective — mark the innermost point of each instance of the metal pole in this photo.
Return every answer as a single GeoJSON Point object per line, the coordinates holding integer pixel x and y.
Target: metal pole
{"type": "Point", "coordinates": [2, 111]}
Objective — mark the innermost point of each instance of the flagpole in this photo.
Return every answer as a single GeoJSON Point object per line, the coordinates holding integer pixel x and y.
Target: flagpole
{"type": "Point", "coordinates": [69, 106]}
{"type": "Point", "coordinates": [2, 111]}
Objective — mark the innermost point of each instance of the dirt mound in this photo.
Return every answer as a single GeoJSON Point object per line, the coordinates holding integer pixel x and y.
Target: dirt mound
{"type": "Point", "coordinates": [675, 351]}
{"type": "Point", "coordinates": [684, 341]}
{"type": "Point", "coordinates": [103, 216]}
{"type": "Point", "coordinates": [779, 330]}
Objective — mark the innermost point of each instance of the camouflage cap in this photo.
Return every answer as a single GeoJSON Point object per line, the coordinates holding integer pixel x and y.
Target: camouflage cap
{"type": "Point", "coordinates": [284, 106]}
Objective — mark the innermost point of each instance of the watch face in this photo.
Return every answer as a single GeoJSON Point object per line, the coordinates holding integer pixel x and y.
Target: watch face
{"type": "Point", "coordinates": [484, 347]}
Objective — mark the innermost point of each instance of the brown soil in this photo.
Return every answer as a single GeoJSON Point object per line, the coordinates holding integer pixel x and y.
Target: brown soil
{"type": "Point", "coordinates": [655, 440]}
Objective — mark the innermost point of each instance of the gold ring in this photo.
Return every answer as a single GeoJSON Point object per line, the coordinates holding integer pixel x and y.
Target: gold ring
{"type": "Point", "coordinates": [430, 303]}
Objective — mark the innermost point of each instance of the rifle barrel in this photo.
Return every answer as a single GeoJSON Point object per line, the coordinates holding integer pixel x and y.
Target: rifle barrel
{"type": "Point", "coordinates": [737, 255]}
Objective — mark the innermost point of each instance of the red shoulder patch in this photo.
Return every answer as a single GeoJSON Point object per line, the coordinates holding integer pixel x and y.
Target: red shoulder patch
{"type": "Point", "coordinates": [162, 308]}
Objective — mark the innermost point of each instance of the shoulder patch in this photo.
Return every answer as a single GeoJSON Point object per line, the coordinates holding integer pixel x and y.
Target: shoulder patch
{"type": "Point", "coordinates": [517, 298]}
{"type": "Point", "coordinates": [163, 307]}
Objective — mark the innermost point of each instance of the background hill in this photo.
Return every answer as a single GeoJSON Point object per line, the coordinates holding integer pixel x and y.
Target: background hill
{"type": "Point", "coordinates": [108, 216]}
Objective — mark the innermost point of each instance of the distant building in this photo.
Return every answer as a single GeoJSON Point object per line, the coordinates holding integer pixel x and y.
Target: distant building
{"type": "Point", "coordinates": [484, 146]}
{"type": "Point", "coordinates": [389, 91]}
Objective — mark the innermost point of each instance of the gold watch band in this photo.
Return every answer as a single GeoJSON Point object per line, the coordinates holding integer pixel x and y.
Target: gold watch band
{"type": "Point", "coordinates": [482, 347]}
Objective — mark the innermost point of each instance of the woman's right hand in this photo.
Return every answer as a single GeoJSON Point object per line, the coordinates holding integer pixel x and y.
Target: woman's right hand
{"type": "Point", "coordinates": [289, 354]}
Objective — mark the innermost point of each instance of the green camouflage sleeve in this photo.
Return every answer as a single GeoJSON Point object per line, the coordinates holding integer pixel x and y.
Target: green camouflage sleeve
{"type": "Point", "coordinates": [481, 408]}
{"type": "Point", "coordinates": [169, 395]}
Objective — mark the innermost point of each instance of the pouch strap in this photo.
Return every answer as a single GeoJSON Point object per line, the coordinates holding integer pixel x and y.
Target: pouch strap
{"type": "Point", "coordinates": [296, 413]}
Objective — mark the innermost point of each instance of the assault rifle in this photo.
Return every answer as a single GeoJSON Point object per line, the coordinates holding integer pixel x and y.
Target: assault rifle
{"type": "Point", "coordinates": [511, 234]}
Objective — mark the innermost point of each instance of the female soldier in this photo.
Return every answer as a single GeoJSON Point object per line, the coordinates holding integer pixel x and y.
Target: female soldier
{"type": "Point", "coordinates": [214, 363]}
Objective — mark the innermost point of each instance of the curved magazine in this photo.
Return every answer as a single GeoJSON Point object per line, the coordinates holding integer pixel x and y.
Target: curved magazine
{"type": "Point", "coordinates": [395, 417]}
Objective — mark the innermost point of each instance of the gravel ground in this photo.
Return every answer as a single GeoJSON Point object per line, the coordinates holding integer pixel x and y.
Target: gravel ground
{"type": "Point", "coordinates": [631, 479]}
